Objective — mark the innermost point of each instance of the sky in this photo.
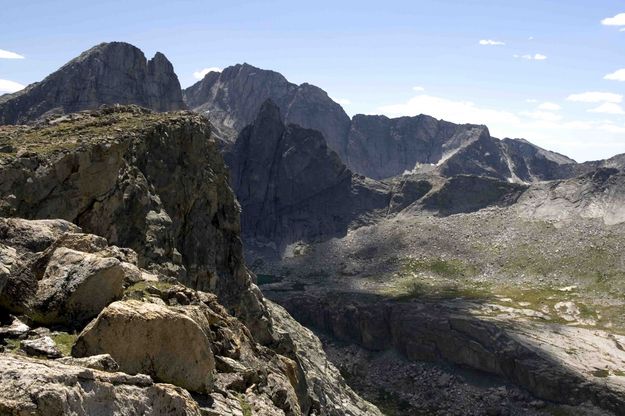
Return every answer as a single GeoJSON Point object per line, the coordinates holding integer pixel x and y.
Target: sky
{"type": "Point", "coordinates": [552, 72]}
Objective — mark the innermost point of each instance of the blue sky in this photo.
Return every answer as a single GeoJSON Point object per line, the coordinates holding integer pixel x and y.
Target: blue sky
{"type": "Point", "coordinates": [390, 57]}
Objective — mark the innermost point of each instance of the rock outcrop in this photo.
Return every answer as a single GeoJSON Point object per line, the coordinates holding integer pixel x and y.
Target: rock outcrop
{"type": "Point", "coordinates": [597, 194]}
{"type": "Point", "coordinates": [154, 183]}
{"type": "Point", "coordinates": [109, 73]}
{"type": "Point", "coordinates": [430, 331]}
{"type": "Point", "coordinates": [76, 286]}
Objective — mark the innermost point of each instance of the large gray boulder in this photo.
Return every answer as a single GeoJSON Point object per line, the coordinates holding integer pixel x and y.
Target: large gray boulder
{"type": "Point", "coordinates": [48, 388]}
{"type": "Point", "coordinates": [151, 339]}
{"type": "Point", "coordinates": [76, 286]}
{"type": "Point", "coordinates": [109, 73]}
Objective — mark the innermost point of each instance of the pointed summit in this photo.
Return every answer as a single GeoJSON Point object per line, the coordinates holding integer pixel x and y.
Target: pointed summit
{"type": "Point", "coordinates": [109, 73]}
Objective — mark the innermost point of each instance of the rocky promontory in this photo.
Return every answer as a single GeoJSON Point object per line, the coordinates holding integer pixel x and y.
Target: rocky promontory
{"type": "Point", "coordinates": [122, 266]}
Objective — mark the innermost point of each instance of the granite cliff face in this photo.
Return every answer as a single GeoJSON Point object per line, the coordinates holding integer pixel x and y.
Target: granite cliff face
{"type": "Point", "coordinates": [109, 73]}
{"type": "Point", "coordinates": [292, 186]}
{"type": "Point", "coordinates": [152, 345]}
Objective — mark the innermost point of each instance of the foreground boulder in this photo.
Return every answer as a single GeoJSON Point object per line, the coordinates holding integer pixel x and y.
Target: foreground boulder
{"type": "Point", "coordinates": [153, 339]}
{"type": "Point", "coordinates": [56, 275]}
{"type": "Point", "coordinates": [48, 388]}
{"type": "Point", "coordinates": [76, 286]}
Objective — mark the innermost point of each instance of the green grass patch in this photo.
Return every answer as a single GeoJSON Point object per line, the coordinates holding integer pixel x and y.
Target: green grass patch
{"type": "Point", "coordinates": [145, 289]}
{"type": "Point", "coordinates": [435, 278]}
{"type": "Point", "coordinates": [12, 345]}
{"type": "Point", "coordinates": [64, 342]}
{"type": "Point", "coordinates": [601, 373]}
{"type": "Point", "coordinates": [447, 268]}
{"type": "Point", "coordinates": [246, 408]}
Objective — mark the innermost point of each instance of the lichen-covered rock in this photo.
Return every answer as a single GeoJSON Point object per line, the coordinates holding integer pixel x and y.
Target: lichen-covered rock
{"type": "Point", "coordinates": [48, 388]}
{"type": "Point", "coordinates": [153, 339]}
{"type": "Point", "coordinates": [102, 362]}
{"type": "Point", "coordinates": [76, 286]}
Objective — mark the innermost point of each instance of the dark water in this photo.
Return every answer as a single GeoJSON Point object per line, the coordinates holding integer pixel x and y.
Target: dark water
{"type": "Point", "coordinates": [265, 279]}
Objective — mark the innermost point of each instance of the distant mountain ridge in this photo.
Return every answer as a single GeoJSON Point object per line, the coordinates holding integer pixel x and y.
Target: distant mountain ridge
{"type": "Point", "coordinates": [375, 146]}
{"type": "Point", "coordinates": [232, 98]}
{"type": "Point", "coordinates": [372, 145]}
{"type": "Point", "coordinates": [109, 73]}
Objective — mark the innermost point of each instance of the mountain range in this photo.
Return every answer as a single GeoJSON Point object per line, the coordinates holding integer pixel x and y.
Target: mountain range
{"type": "Point", "coordinates": [131, 233]}
{"type": "Point", "coordinates": [374, 146]}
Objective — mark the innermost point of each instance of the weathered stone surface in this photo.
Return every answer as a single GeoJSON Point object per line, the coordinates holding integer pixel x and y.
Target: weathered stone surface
{"type": "Point", "coordinates": [76, 286]}
{"type": "Point", "coordinates": [109, 73]}
{"type": "Point", "coordinates": [431, 331]}
{"type": "Point", "coordinates": [148, 338]}
{"type": "Point", "coordinates": [33, 235]}
{"type": "Point", "coordinates": [49, 388]}
{"type": "Point", "coordinates": [330, 394]}
{"type": "Point", "coordinates": [40, 346]}
{"type": "Point", "coordinates": [17, 329]}
{"type": "Point", "coordinates": [597, 194]}
{"type": "Point", "coordinates": [468, 193]}
{"type": "Point", "coordinates": [103, 362]}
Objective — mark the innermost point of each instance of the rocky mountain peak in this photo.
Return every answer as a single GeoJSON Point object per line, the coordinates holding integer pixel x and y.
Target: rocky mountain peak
{"type": "Point", "coordinates": [232, 100]}
{"type": "Point", "coordinates": [109, 73]}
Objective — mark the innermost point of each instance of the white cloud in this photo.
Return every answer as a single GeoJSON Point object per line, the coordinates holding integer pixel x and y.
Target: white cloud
{"type": "Point", "coordinates": [490, 42]}
{"type": "Point", "coordinates": [10, 55]}
{"type": "Point", "coordinates": [596, 97]}
{"type": "Point", "coordinates": [611, 128]}
{"type": "Point", "coordinates": [202, 73]}
{"type": "Point", "coordinates": [9, 86]}
{"type": "Point", "coordinates": [608, 108]}
{"type": "Point", "coordinates": [541, 115]}
{"type": "Point", "coordinates": [618, 75]}
{"type": "Point", "coordinates": [581, 139]}
{"type": "Point", "coordinates": [618, 20]}
{"type": "Point", "coordinates": [531, 100]}
{"type": "Point", "coordinates": [530, 38]}
{"type": "Point", "coordinates": [343, 101]}
{"type": "Point", "coordinates": [457, 111]}
{"type": "Point", "coordinates": [418, 88]}
{"type": "Point", "coordinates": [547, 106]}
{"type": "Point", "coordinates": [535, 57]}
{"type": "Point", "coordinates": [622, 29]}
